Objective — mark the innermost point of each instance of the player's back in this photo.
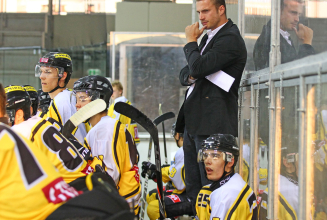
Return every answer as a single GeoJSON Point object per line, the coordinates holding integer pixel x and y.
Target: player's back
{"type": "Point", "coordinates": [30, 187]}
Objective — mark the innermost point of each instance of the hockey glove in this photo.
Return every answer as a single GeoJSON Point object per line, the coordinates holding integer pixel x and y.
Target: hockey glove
{"type": "Point", "coordinates": [149, 168]}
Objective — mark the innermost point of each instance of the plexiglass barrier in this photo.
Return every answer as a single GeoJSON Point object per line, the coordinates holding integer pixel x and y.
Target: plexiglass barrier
{"type": "Point", "coordinates": [148, 66]}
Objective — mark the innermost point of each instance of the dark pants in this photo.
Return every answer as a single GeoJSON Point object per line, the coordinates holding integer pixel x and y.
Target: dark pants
{"type": "Point", "coordinates": [195, 176]}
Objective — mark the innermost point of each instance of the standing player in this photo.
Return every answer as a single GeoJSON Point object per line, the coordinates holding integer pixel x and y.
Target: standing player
{"type": "Point", "coordinates": [55, 69]}
{"type": "Point", "coordinates": [117, 96]}
{"type": "Point", "coordinates": [228, 197]}
{"type": "Point", "coordinates": [45, 135]}
{"type": "Point", "coordinates": [109, 140]}
{"type": "Point", "coordinates": [176, 201]}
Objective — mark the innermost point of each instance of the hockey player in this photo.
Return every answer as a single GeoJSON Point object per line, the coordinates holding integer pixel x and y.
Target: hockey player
{"type": "Point", "coordinates": [228, 197]}
{"type": "Point", "coordinates": [45, 135]}
{"type": "Point", "coordinates": [117, 96]}
{"type": "Point", "coordinates": [30, 187]}
{"type": "Point", "coordinates": [288, 185]}
{"type": "Point", "coordinates": [109, 140]}
{"type": "Point", "coordinates": [44, 103]}
{"type": "Point", "coordinates": [34, 98]}
{"type": "Point", "coordinates": [176, 202]}
{"type": "Point", "coordinates": [55, 69]}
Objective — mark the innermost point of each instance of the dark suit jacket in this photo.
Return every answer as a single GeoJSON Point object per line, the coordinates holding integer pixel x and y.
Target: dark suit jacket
{"type": "Point", "coordinates": [209, 109]}
{"type": "Point", "coordinates": [288, 53]}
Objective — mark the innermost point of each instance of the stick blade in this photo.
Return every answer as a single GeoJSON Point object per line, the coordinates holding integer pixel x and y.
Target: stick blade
{"type": "Point", "coordinates": [83, 114]}
{"type": "Point", "coordinates": [163, 117]}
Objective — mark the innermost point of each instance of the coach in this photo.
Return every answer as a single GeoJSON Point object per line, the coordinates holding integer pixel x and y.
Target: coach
{"type": "Point", "coordinates": [213, 73]}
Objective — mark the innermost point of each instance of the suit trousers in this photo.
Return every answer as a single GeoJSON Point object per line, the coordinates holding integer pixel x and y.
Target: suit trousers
{"type": "Point", "coordinates": [195, 175]}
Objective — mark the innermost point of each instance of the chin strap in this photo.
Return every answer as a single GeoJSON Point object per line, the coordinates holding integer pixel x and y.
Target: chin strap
{"type": "Point", "coordinates": [58, 87]}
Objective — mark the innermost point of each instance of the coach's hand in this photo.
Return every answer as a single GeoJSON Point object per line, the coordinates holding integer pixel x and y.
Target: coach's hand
{"type": "Point", "coordinates": [192, 32]}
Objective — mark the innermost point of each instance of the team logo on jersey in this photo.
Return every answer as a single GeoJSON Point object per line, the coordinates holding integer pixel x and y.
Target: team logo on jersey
{"type": "Point", "coordinates": [59, 191]}
{"type": "Point", "coordinates": [174, 198]}
{"type": "Point", "coordinates": [87, 170]}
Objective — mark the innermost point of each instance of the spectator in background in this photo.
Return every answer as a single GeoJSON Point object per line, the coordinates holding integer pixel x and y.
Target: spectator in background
{"type": "Point", "coordinates": [210, 106]}
{"type": "Point", "coordinates": [117, 96]}
{"type": "Point", "coordinates": [289, 21]}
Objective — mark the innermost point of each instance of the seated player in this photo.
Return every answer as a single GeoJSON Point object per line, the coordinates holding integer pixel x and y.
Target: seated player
{"type": "Point", "coordinates": [31, 188]}
{"type": "Point", "coordinates": [109, 140]}
{"type": "Point", "coordinates": [117, 96]}
{"type": "Point", "coordinates": [45, 135]}
{"type": "Point", "coordinates": [228, 197]}
{"type": "Point", "coordinates": [176, 201]}
{"type": "Point", "coordinates": [288, 185]}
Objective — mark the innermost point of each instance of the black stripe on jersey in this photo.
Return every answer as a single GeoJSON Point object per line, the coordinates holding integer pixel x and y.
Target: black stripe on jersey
{"type": "Point", "coordinates": [31, 169]}
{"type": "Point", "coordinates": [56, 111]}
{"type": "Point", "coordinates": [132, 147]}
{"type": "Point", "coordinates": [183, 174]}
{"type": "Point", "coordinates": [238, 202]}
{"type": "Point", "coordinates": [287, 208]}
{"type": "Point", "coordinates": [42, 114]}
{"type": "Point", "coordinates": [37, 129]}
{"type": "Point", "coordinates": [115, 144]}
{"type": "Point", "coordinates": [87, 145]}
{"type": "Point", "coordinates": [132, 193]}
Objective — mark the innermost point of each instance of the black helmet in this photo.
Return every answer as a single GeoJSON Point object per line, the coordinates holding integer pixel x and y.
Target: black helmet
{"type": "Point", "coordinates": [97, 87]}
{"type": "Point", "coordinates": [33, 96]}
{"type": "Point", "coordinates": [221, 142]}
{"type": "Point", "coordinates": [61, 61]}
{"type": "Point", "coordinates": [17, 98]}
{"type": "Point", "coordinates": [44, 100]}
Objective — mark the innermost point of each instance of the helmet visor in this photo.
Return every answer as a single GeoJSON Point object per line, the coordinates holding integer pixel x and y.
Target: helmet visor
{"type": "Point", "coordinates": [205, 154]}
{"type": "Point", "coordinates": [86, 95]}
{"type": "Point", "coordinates": [49, 71]}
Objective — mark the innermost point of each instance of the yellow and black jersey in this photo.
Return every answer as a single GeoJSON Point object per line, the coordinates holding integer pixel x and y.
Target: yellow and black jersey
{"type": "Point", "coordinates": [175, 172]}
{"type": "Point", "coordinates": [111, 143]}
{"type": "Point", "coordinates": [62, 107]}
{"type": "Point", "coordinates": [61, 153]}
{"type": "Point", "coordinates": [30, 187]}
{"type": "Point", "coordinates": [131, 125]}
{"type": "Point", "coordinates": [287, 202]}
{"type": "Point", "coordinates": [230, 199]}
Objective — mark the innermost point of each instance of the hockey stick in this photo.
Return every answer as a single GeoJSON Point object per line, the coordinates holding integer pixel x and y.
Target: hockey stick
{"type": "Point", "coordinates": [164, 135]}
{"type": "Point", "coordinates": [83, 114]}
{"type": "Point", "coordinates": [148, 125]}
{"type": "Point", "coordinates": [156, 121]}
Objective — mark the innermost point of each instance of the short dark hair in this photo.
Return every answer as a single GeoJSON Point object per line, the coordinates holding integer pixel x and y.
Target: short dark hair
{"type": "Point", "coordinates": [282, 3]}
{"type": "Point", "coordinates": [218, 3]}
